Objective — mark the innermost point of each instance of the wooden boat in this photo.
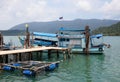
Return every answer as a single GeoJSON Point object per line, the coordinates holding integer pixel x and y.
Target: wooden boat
{"type": "Point", "coordinates": [75, 39]}
{"type": "Point", "coordinates": [39, 41]}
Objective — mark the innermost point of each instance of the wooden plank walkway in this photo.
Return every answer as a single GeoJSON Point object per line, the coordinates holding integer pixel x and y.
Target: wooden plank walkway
{"type": "Point", "coordinates": [30, 50]}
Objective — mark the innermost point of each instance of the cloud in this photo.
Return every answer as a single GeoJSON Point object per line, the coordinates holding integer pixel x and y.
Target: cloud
{"type": "Point", "coordinates": [84, 5]}
{"type": "Point", "coordinates": [13, 12]}
{"type": "Point", "coordinates": [111, 9]}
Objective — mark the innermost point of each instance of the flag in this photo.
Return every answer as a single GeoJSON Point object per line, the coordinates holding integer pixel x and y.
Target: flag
{"type": "Point", "coordinates": [60, 17]}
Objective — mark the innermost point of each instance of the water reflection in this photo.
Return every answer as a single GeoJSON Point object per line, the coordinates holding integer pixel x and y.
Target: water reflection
{"type": "Point", "coordinates": [93, 67]}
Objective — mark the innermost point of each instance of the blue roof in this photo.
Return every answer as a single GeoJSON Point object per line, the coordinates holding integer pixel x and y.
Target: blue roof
{"type": "Point", "coordinates": [69, 29]}
{"type": "Point", "coordinates": [97, 36]}
{"type": "Point", "coordinates": [44, 34]}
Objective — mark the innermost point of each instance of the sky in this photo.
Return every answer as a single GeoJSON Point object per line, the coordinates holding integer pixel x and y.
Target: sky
{"type": "Point", "coordinates": [14, 12]}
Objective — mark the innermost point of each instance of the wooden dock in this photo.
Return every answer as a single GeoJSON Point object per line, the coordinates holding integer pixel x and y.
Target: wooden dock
{"type": "Point", "coordinates": [31, 50]}
{"type": "Point", "coordinates": [27, 54]}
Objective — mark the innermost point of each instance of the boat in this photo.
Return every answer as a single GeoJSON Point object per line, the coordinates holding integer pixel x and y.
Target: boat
{"type": "Point", "coordinates": [75, 39]}
{"type": "Point", "coordinates": [41, 39]}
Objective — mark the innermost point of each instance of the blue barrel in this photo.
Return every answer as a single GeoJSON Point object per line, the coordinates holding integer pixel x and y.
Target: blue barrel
{"type": "Point", "coordinates": [28, 72]}
{"type": "Point", "coordinates": [8, 68]}
{"type": "Point", "coordinates": [16, 64]}
{"type": "Point", "coordinates": [57, 64]}
{"type": "Point", "coordinates": [51, 67]}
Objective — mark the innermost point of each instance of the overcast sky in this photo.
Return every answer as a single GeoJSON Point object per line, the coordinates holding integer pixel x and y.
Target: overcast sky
{"type": "Point", "coordinates": [13, 12]}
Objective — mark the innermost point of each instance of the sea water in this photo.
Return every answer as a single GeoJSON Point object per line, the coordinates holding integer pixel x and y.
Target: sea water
{"type": "Point", "coordinates": [80, 68]}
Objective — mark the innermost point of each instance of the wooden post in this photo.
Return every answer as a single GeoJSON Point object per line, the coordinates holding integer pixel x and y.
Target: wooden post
{"type": "Point", "coordinates": [87, 38]}
{"type": "Point", "coordinates": [68, 51]}
{"type": "Point", "coordinates": [1, 59]}
{"type": "Point", "coordinates": [41, 55]}
{"type": "Point", "coordinates": [49, 54]}
{"type": "Point", "coordinates": [27, 40]}
{"type": "Point", "coordinates": [37, 55]}
{"type": "Point", "coordinates": [64, 55]}
{"type": "Point", "coordinates": [15, 57]}
{"type": "Point", "coordinates": [1, 41]}
{"type": "Point", "coordinates": [20, 57]}
{"type": "Point", "coordinates": [6, 58]}
{"type": "Point", "coordinates": [30, 55]}
{"type": "Point", "coordinates": [57, 53]}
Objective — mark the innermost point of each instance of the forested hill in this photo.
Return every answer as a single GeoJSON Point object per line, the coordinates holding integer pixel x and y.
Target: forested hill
{"type": "Point", "coordinates": [53, 26]}
{"type": "Point", "coordinates": [113, 30]}
{"type": "Point", "coordinates": [12, 32]}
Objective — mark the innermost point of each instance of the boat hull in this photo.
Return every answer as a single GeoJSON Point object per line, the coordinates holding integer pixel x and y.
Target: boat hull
{"type": "Point", "coordinates": [91, 51]}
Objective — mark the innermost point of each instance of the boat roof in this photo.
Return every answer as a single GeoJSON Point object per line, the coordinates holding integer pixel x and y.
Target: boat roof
{"type": "Point", "coordinates": [69, 29]}
{"type": "Point", "coordinates": [97, 36]}
{"type": "Point", "coordinates": [44, 34]}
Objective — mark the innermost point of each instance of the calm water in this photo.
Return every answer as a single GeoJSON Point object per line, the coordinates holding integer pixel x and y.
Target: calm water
{"type": "Point", "coordinates": [80, 68]}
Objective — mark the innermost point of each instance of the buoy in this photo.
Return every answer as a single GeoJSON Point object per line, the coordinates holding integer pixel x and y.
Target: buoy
{"type": "Point", "coordinates": [8, 68]}
{"type": "Point", "coordinates": [57, 64]}
{"type": "Point", "coordinates": [28, 72]}
{"type": "Point", "coordinates": [51, 67]}
{"type": "Point", "coordinates": [16, 64]}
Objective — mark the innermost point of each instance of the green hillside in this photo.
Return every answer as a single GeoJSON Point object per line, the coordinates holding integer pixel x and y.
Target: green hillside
{"type": "Point", "coordinates": [12, 32]}
{"type": "Point", "coordinates": [113, 30]}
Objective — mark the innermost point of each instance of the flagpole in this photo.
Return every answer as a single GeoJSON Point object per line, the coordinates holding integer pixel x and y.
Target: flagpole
{"type": "Point", "coordinates": [61, 26]}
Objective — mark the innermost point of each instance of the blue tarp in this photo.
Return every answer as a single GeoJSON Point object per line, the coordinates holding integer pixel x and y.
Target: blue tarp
{"type": "Point", "coordinates": [44, 34]}
{"type": "Point", "coordinates": [70, 29]}
{"type": "Point", "coordinates": [97, 36]}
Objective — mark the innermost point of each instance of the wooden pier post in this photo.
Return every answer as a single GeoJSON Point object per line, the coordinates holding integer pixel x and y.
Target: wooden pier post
{"type": "Point", "coordinates": [6, 58]}
{"type": "Point", "coordinates": [1, 41]}
{"type": "Point", "coordinates": [68, 52]}
{"type": "Point", "coordinates": [64, 55]}
{"type": "Point", "coordinates": [57, 53]}
{"type": "Point", "coordinates": [1, 59]}
{"type": "Point", "coordinates": [87, 37]}
{"type": "Point", "coordinates": [15, 58]}
{"type": "Point", "coordinates": [27, 39]}
{"type": "Point", "coordinates": [30, 55]}
{"type": "Point", "coordinates": [49, 54]}
{"type": "Point", "coordinates": [37, 55]}
{"type": "Point", "coordinates": [20, 57]}
{"type": "Point", "coordinates": [41, 55]}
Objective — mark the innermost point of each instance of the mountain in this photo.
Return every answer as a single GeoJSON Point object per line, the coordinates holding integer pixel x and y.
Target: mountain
{"type": "Point", "coordinates": [12, 32]}
{"type": "Point", "coordinates": [54, 26]}
{"type": "Point", "coordinates": [113, 30]}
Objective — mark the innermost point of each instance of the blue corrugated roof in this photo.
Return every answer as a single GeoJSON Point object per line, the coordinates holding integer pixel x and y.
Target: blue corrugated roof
{"type": "Point", "coordinates": [69, 29]}
{"type": "Point", "coordinates": [97, 36]}
{"type": "Point", "coordinates": [44, 34]}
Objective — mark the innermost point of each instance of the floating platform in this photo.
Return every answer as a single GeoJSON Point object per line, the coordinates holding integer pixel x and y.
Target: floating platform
{"type": "Point", "coordinates": [31, 68]}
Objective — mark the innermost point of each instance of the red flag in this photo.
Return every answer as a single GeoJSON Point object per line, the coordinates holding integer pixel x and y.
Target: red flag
{"type": "Point", "coordinates": [60, 17]}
